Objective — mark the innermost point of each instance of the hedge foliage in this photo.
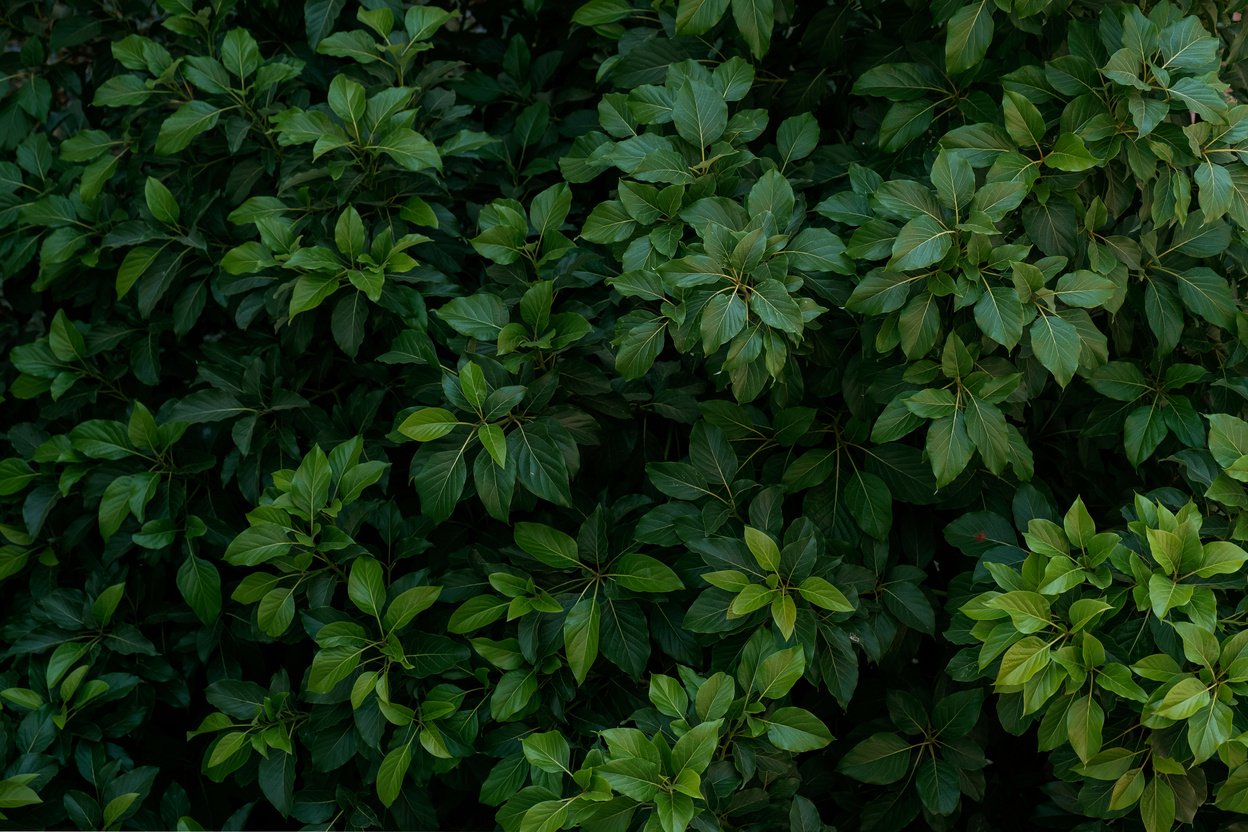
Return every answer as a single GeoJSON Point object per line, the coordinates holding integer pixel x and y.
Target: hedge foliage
{"type": "Point", "coordinates": [622, 415]}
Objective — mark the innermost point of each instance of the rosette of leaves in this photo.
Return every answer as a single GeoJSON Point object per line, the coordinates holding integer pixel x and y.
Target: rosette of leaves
{"type": "Point", "coordinates": [354, 263]}
{"type": "Point", "coordinates": [775, 581]}
{"type": "Point", "coordinates": [701, 740]}
{"type": "Point", "coordinates": [1133, 710]}
{"type": "Point", "coordinates": [963, 413]}
{"type": "Point", "coordinates": [598, 593]}
{"type": "Point", "coordinates": [930, 750]}
{"type": "Point", "coordinates": [735, 286]}
{"type": "Point", "coordinates": [514, 433]}
{"type": "Point", "coordinates": [295, 533]}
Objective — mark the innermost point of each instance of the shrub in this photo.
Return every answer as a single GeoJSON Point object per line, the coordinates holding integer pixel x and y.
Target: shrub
{"type": "Point", "coordinates": [712, 414]}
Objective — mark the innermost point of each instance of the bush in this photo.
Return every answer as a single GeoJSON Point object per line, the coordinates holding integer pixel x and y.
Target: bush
{"type": "Point", "coordinates": [712, 414]}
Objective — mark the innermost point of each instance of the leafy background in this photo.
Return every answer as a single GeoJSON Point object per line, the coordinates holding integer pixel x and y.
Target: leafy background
{"type": "Point", "coordinates": [726, 414]}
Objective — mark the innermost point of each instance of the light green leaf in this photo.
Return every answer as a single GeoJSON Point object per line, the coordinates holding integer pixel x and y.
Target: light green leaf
{"type": "Point", "coordinates": [1070, 154]}
{"type": "Point", "coordinates": [428, 424]}
{"type": "Point", "coordinates": [763, 547]}
{"type": "Point", "coordinates": [391, 774]}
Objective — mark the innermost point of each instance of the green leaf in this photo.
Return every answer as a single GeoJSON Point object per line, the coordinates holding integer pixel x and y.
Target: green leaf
{"type": "Point", "coordinates": [797, 730]}
{"type": "Point", "coordinates": [494, 442]}
{"type": "Point", "coordinates": [609, 222]}
{"type": "Point", "coordinates": [1217, 189]}
{"type": "Point", "coordinates": [639, 348]}
{"type": "Point", "coordinates": [440, 482]}
{"type": "Point", "coordinates": [200, 584]}
{"type": "Point", "coordinates": [1085, 289]}
{"type": "Point", "coordinates": [1233, 793]}
{"type": "Point", "coordinates": [904, 122]}
{"type": "Point", "coordinates": [777, 673]}
{"type": "Point", "coordinates": [1228, 438]}
{"type": "Point", "coordinates": [15, 475]}
{"type": "Point", "coordinates": [408, 604]}
{"type": "Point", "coordinates": [1186, 45]}
{"type": "Point", "coordinates": [870, 503]}
{"type": "Point", "coordinates": [1022, 120]}
{"type": "Point", "coordinates": [668, 696]}
{"type": "Point", "coordinates": [642, 573]}
{"type": "Point", "coordinates": [1199, 97]}
{"type": "Point", "coordinates": [547, 752]}
{"type": "Point", "coordinates": [1157, 806]}
{"type": "Point", "coordinates": [920, 243]}
{"type": "Point", "coordinates": [1220, 557]}
{"type": "Point", "coordinates": [258, 544]}
{"type": "Point", "coordinates": [937, 783]}
{"type": "Point", "coordinates": [693, 751]}
{"type": "Point", "coordinates": [697, 17]}
{"type": "Point", "coordinates": [160, 201]}
{"type": "Point", "coordinates": [347, 100]}
{"type": "Point", "coordinates": [479, 316]}
{"type": "Point", "coordinates": [821, 593]}
{"type": "Point", "coordinates": [1143, 431]}
{"type": "Point", "coordinates": [968, 36]}
{"type": "Point", "coordinates": [954, 179]}
{"type": "Point", "coordinates": [227, 746]}
{"type": "Point", "coordinates": [1070, 154]}
{"type": "Point", "coordinates": [580, 637]}
{"type": "Point", "coordinates": [699, 114]}
{"type": "Point", "coordinates": [755, 19]}
{"type": "Point", "coordinates": [240, 54]}
{"type": "Point", "coordinates": [1023, 660]}
{"type": "Point", "coordinates": [547, 816]}
{"type": "Point", "coordinates": [475, 613]}
{"type": "Point", "coordinates": [1056, 344]}
{"type": "Point", "coordinates": [899, 82]}
{"type": "Point", "coordinates": [180, 129]}
{"type": "Point", "coordinates": [722, 318]}
{"type": "Point", "coordinates": [550, 546]}
{"type": "Point", "coordinates": [880, 759]}
{"type": "Point", "coordinates": [391, 774]}
{"type": "Point", "coordinates": [775, 306]}
{"type": "Point", "coordinates": [796, 138]}
{"type": "Point", "coordinates": [1208, 295]}
{"type": "Point", "coordinates": [366, 585]}
{"type": "Point", "coordinates": [428, 424]}
{"type": "Point", "coordinates": [1165, 594]}
{"type": "Point", "coordinates": [1000, 316]}
{"type": "Point", "coordinates": [1085, 720]}
{"type": "Point", "coordinates": [949, 448]}
{"type": "Point", "coordinates": [1208, 729]}
{"type": "Point", "coordinates": [1028, 611]}
{"type": "Point", "coordinates": [763, 547]}
{"type": "Point", "coordinates": [276, 611]}
{"type": "Point", "coordinates": [410, 150]}
{"type": "Point", "coordinates": [601, 12]}
{"type": "Point", "coordinates": [319, 17]}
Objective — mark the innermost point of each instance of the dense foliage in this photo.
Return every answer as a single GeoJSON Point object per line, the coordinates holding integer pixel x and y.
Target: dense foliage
{"type": "Point", "coordinates": [623, 415]}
